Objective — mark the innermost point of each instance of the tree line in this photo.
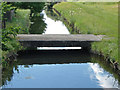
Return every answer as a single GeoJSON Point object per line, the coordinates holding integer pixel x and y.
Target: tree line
{"type": "Point", "coordinates": [9, 42]}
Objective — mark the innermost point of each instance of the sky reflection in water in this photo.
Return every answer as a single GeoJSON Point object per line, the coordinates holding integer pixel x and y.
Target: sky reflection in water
{"type": "Point", "coordinates": [54, 27]}
{"type": "Point", "coordinates": [74, 75]}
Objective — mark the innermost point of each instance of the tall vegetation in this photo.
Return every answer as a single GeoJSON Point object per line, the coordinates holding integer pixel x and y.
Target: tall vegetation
{"type": "Point", "coordinates": [5, 8]}
{"type": "Point", "coordinates": [35, 7]}
{"type": "Point", "coordinates": [9, 43]}
{"type": "Point", "coordinates": [10, 31]}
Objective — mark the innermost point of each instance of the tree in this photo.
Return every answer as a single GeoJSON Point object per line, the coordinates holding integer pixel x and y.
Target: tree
{"type": "Point", "coordinates": [35, 7]}
{"type": "Point", "coordinates": [5, 8]}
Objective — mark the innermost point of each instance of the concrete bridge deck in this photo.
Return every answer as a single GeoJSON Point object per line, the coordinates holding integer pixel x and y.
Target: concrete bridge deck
{"type": "Point", "coordinates": [58, 40]}
{"type": "Point", "coordinates": [58, 37]}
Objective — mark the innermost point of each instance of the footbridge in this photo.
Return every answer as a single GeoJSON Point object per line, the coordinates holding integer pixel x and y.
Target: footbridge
{"type": "Point", "coordinates": [58, 40]}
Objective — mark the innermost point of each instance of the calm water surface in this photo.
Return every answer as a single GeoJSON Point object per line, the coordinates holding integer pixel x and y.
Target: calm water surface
{"type": "Point", "coordinates": [45, 25]}
{"type": "Point", "coordinates": [57, 68]}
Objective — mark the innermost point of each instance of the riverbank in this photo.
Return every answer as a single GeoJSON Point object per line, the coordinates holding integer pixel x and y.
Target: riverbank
{"type": "Point", "coordinates": [21, 19]}
{"type": "Point", "coordinates": [20, 22]}
{"type": "Point", "coordinates": [94, 18]}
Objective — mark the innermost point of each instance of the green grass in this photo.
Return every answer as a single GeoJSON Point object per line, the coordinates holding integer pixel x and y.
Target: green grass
{"type": "Point", "coordinates": [21, 19]}
{"type": "Point", "coordinates": [94, 18]}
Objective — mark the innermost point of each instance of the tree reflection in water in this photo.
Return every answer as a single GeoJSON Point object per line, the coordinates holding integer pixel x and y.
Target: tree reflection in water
{"type": "Point", "coordinates": [8, 71]}
{"type": "Point", "coordinates": [37, 24]}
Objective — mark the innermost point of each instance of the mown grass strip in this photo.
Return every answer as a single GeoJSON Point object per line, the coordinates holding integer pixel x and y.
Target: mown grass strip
{"type": "Point", "coordinates": [94, 18]}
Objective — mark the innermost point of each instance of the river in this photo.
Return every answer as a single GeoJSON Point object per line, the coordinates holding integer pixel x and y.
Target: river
{"type": "Point", "coordinates": [60, 67]}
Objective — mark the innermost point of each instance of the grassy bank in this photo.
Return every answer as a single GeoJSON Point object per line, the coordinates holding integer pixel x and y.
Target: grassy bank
{"type": "Point", "coordinates": [21, 19]}
{"type": "Point", "coordinates": [19, 24]}
{"type": "Point", "coordinates": [94, 18]}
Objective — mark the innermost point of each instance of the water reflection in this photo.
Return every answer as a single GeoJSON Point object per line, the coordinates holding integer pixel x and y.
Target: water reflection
{"type": "Point", "coordinates": [105, 79]}
{"type": "Point", "coordinates": [37, 24]}
{"type": "Point", "coordinates": [54, 27]}
{"type": "Point", "coordinates": [42, 24]}
{"type": "Point", "coordinates": [8, 72]}
{"type": "Point", "coordinates": [58, 69]}
{"type": "Point", "coordinates": [58, 48]}
{"type": "Point", "coordinates": [53, 57]}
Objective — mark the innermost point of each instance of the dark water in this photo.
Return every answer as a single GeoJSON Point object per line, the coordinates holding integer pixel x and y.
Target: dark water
{"type": "Point", "coordinates": [57, 68]}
